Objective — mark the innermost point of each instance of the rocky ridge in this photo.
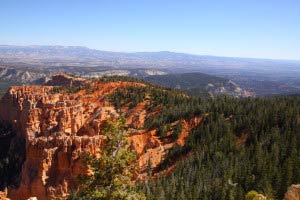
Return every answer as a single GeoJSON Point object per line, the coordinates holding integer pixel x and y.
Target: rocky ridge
{"type": "Point", "coordinates": [59, 126]}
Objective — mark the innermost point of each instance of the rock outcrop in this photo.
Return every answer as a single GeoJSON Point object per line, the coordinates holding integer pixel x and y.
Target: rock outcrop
{"type": "Point", "coordinates": [293, 193]}
{"type": "Point", "coordinates": [58, 127]}
{"type": "Point", "coordinates": [3, 195]}
{"type": "Point", "coordinates": [65, 80]}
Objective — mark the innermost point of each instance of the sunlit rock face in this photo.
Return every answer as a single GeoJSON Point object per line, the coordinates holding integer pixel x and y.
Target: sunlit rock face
{"type": "Point", "coordinates": [293, 193]}
{"type": "Point", "coordinates": [58, 127]}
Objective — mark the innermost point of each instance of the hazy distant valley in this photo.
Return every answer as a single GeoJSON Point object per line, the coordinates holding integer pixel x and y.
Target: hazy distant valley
{"type": "Point", "coordinates": [198, 84]}
{"type": "Point", "coordinates": [32, 64]}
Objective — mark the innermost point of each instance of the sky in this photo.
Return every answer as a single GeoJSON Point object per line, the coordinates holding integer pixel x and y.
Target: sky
{"type": "Point", "coordinates": [235, 28]}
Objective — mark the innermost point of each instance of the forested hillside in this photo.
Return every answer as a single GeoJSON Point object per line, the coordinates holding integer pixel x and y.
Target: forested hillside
{"type": "Point", "coordinates": [186, 80]}
{"type": "Point", "coordinates": [243, 145]}
{"type": "Point", "coordinates": [200, 84]}
{"type": "Point", "coordinates": [4, 85]}
{"type": "Point", "coordinates": [199, 148]}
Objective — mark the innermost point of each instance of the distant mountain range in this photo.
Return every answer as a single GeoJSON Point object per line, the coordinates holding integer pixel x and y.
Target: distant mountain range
{"type": "Point", "coordinates": [263, 76]}
{"type": "Point", "coordinates": [82, 56]}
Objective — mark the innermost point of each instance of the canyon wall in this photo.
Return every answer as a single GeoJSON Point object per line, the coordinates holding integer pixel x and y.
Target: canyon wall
{"type": "Point", "coordinates": [58, 127]}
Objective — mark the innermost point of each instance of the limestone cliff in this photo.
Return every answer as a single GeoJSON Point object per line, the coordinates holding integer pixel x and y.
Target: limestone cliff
{"type": "Point", "coordinates": [59, 126]}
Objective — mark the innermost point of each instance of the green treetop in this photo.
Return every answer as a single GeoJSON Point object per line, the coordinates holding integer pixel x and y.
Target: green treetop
{"type": "Point", "coordinates": [112, 171]}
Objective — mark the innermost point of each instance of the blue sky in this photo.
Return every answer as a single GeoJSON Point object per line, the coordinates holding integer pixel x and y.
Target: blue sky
{"type": "Point", "coordinates": [239, 28]}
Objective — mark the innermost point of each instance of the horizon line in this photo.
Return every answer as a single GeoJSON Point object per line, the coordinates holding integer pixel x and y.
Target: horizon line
{"type": "Point", "coordinates": [158, 51]}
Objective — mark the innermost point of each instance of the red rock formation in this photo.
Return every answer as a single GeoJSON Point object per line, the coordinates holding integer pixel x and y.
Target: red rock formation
{"type": "Point", "coordinates": [59, 127]}
{"type": "Point", "coordinates": [293, 193]}
{"type": "Point", "coordinates": [3, 195]}
{"type": "Point", "coordinates": [65, 80]}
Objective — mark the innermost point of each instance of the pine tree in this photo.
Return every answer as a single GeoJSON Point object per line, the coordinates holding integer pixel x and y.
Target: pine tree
{"type": "Point", "coordinates": [112, 171]}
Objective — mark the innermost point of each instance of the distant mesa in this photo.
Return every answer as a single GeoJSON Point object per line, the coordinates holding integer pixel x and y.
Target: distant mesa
{"type": "Point", "coordinates": [65, 80]}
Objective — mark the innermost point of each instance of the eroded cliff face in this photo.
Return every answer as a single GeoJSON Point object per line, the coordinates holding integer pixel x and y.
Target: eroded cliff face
{"type": "Point", "coordinates": [58, 127]}
{"type": "Point", "coordinates": [293, 193]}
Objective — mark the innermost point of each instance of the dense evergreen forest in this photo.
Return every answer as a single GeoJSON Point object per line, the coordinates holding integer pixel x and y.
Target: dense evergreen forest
{"type": "Point", "coordinates": [193, 83]}
{"type": "Point", "coordinates": [243, 145]}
